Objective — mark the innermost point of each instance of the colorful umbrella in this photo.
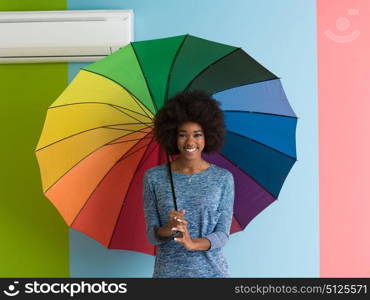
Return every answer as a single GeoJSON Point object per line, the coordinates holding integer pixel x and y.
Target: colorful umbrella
{"type": "Point", "coordinates": [97, 138]}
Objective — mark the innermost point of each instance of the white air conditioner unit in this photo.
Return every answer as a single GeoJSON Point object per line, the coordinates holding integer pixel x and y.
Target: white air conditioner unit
{"type": "Point", "coordinates": [63, 36]}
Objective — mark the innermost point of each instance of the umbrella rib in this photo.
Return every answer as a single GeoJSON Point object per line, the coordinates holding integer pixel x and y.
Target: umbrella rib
{"type": "Point", "coordinates": [262, 144]}
{"type": "Point", "coordinates": [260, 113]}
{"type": "Point", "coordinates": [143, 138]}
{"type": "Point", "coordinates": [146, 81]}
{"type": "Point", "coordinates": [108, 127]}
{"type": "Point", "coordinates": [128, 189]}
{"type": "Point", "coordinates": [130, 110]}
{"type": "Point", "coordinates": [172, 65]}
{"type": "Point", "coordinates": [101, 180]}
{"type": "Point", "coordinates": [105, 127]}
{"type": "Point", "coordinates": [95, 150]}
{"type": "Point", "coordinates": [127, 155]}
{"type": "Point", "coordinates": [110, 104]}
{"type": "Point", "coordinates": [126, 114]}
{"type": "Point", "coordinates": [126, 89]}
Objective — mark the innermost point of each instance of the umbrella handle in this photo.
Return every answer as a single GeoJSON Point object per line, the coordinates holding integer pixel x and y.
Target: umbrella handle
{"type": "Point", "coordinates": [171, 180]}
{"type": "Point", "coordinates": [173, 193]}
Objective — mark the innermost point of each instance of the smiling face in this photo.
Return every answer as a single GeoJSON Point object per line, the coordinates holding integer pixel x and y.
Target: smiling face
{"type": "Point", "coordinates": [190, 140]}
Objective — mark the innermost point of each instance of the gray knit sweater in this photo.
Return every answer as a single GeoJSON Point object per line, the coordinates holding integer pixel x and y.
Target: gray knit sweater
{"type": "Point", "coordinates": [208, 199]}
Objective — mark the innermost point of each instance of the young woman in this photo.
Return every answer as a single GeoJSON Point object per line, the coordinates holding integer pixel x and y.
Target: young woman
{"type": "Point", "coordinates": [189, 240]}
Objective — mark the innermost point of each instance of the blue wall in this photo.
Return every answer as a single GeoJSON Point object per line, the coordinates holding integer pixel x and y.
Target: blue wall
{"type": "Point", "coordinates": [283, 241]}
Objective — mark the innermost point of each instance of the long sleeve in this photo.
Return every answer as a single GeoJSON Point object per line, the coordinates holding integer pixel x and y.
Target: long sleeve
{"type": "Point", "coordinates": [220, 235]}
{"type": "Point", "coordinates": [150, 212]}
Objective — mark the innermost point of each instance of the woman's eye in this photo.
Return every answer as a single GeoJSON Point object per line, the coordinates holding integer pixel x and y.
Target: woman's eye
{"type": "Point", "coordinates": [197, 135]}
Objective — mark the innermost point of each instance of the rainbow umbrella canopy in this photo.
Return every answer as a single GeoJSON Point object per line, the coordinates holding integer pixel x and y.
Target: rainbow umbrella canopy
{"type": "Point", "coordinates": [97, 139]}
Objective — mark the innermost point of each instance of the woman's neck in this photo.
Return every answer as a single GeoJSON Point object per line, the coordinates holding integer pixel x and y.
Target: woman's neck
{"type": "Point", "coordinates": [189, 165]}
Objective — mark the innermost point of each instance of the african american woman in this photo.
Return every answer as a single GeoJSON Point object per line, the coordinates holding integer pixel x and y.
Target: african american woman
{"type": "Point", "coordinates": [189, 240]}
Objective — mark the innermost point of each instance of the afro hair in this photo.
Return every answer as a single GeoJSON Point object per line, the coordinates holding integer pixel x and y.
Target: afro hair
{"type": "Point", "coordinates": [190, 106]}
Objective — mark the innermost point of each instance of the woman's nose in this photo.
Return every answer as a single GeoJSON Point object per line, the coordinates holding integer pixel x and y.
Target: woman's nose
{"type": "Point", "coordinates": [190, 141]}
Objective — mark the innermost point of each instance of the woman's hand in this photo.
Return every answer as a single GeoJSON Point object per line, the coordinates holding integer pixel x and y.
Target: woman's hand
{"type": "Point", "coordinates": [174, 219]}
{"type": "Point", "coordinates": [184, 238]}
{"type": "Point", "coordinates": [177, 222]}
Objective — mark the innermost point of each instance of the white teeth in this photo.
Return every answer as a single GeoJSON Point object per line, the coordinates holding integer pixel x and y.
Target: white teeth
{"type": "Point", "coordinates": [190, 150]}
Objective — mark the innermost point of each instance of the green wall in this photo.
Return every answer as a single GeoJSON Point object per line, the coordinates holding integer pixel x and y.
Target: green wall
{"type": "Point", "coordinates": [34, 238]}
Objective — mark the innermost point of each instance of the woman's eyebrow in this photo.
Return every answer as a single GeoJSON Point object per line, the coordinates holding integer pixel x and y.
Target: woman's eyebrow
{"type": "Point", "coordinates": [193, 131]}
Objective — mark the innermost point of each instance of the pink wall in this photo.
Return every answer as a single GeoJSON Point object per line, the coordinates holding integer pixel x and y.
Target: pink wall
{"type": "Point", "coordinates": [344, 136]}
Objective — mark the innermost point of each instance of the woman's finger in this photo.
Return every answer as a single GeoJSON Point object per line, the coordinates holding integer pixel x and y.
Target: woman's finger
{"type": "Point", "coordinates": [179, 214]}
{"type": "Point", "coordinates": [178, 229]}
{"type": "Point", "coordinates": [182, 222]}
{"type": "Point", "coordinates": [171, 213]}
{"type": "Point", "coordinates": [177, 217]}
{"type": "Point", "coordinates": [180, 239]}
